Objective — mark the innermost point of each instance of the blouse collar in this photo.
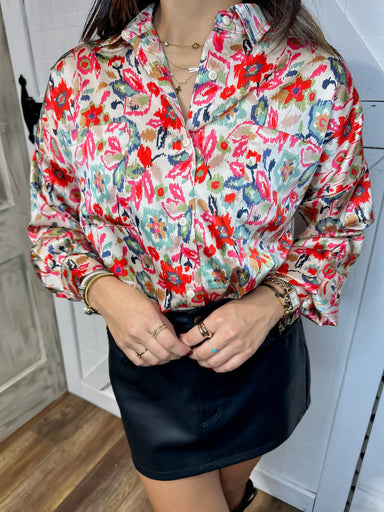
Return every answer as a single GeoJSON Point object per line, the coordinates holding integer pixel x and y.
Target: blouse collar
{"type": "Point", "coordinates": [247, 19]}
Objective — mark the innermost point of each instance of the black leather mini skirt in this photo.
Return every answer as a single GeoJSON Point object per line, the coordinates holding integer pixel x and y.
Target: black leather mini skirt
{"type": "Point", "coordinates": [182, 419]}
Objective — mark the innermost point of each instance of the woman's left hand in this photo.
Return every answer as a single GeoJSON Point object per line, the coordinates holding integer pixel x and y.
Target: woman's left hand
{"type": "Point", "coordinates": [238, 327]}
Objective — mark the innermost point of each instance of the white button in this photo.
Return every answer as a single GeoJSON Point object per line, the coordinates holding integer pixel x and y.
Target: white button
{"type": "Point", "coordinates": [212, 75]}
{"type": "Point", "coordinates": [226, 20]}
{"type": "Point", "coordinates": [186, 143]}
{"type": "Point", "coordinates": [183, 221]}
{"type": "Point", "coordinates": [190, 294]}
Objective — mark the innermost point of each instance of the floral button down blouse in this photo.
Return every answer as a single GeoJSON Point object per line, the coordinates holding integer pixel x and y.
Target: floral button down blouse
{"type": "Point", "coordinates": [266, 177]}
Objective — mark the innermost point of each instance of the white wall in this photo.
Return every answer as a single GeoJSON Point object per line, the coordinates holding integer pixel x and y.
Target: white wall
{"type": "Point", "coordinates": [367, 17]}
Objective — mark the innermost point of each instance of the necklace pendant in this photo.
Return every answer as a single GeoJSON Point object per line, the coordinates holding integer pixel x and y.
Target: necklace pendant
{"type": "Point", "coordinates": [178, 89]}
{"type": "Point", "coordinates": [195, 46]}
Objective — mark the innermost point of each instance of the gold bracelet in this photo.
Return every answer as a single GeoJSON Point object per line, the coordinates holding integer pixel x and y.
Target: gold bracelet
{"type": "Point", "coordinates": [89, 310]}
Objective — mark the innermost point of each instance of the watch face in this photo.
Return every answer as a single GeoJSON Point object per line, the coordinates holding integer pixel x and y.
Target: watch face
{"type": "Point", "coordinates": [294, 299]}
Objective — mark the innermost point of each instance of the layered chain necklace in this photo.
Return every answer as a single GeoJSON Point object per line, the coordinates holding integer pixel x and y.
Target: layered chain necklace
{"type": "Point", "coordinates": [178, 84]}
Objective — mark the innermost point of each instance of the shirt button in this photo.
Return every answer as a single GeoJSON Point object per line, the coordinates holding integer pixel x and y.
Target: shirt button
{"type": "Point", "coordinates": [212, 75]}
{"type": "Point", "coordinates": [183, 221]}
{"type": "Point", "coordinates": [190, 294]}
{"type": "Point", "coordinates": [186, 143]}
{"type": "Point", "coordinates": [226, 21]}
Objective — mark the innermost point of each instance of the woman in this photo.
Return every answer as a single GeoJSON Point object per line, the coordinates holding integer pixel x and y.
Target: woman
{"type": "Point", "coordinates": [175, 157]}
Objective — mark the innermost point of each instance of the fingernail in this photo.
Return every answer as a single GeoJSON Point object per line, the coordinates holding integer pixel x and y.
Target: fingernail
{"type": "Point", "coordinates": [190, 352]}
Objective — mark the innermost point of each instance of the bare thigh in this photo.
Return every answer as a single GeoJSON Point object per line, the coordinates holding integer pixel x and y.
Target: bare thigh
{"type": "Point", "coordinates": [233, 481]}
{"type": "Point", "coordinates": [201, 493]}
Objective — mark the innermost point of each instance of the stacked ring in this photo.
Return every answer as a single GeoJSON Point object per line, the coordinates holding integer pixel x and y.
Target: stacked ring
{"type": "Point", "coordinates": [158, 330]}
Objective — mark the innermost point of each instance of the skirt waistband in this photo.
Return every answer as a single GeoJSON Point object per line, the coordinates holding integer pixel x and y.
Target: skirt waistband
{"type": "Point", "coordinates": [184, 320]}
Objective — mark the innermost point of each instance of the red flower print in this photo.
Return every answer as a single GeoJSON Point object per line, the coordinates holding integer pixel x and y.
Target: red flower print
{"type": "Point", "coordinates": [56, 175]}
{"type": "Point", "coordinates": [116, 61]}
{"type": "Point", "coordinates": [329, 271]}
{"type": "Point", "coordinates": [173, 278]}
{"type": "Point", "coordinates": [145, 155]}
{"type": "Point", "coordinates": [209, 251]}
{"type": "Point", "coordinates": [168, 116]}
{"type": "Point", "coordinates": [257, 259]}
{"type": "Point", "coordinates": [228, 92]}
{"type": "Point", "coordinates": [91, 116]}
{"type": "Point", "coordinates": [253, 69]}
{"type": "Point", "coordinates": [362, 194]}
{"type": "Point", "coordinates": [86, 63]}
{"type": "Point", "coordinates": [98, 210]}
{"type": "Point", "coordinates": [279, 216]}
{"type": "Point", "coordinates": [153, 88]}
{"type": "Point", "coordinates": [119, 267]}
{"type": "Point", "coordinates": [201, 173]}
{"type": "Point", "coordinates": [60, 98]}
{"type": "Point", "coordinates": [222, 230]}
{"type": "Point", "coordinates": [229, 198]}
{"type": "Point", "coordinates": [348, 130]}
{"type": "Point", "coordinates": [155, 255]}
{"type": "Point", "coordinates": [296, 90]}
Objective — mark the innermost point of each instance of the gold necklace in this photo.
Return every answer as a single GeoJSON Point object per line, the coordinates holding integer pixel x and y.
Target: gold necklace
{"type": "Point", "coordinates": [194, 46]}
{"type": "Point", "coordinates": [179, 84]}
{"type": "Point", "coordinates": [190, 69]}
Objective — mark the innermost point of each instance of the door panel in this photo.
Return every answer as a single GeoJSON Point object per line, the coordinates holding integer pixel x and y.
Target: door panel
{"type": "Point", "coordinates": [31, 368]}
{"type": "Point", "coordinates": [296, 471]}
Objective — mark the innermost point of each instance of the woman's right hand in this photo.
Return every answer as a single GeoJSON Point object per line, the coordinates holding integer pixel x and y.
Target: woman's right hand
{"type": "Point", "coordinates": [131, 317]}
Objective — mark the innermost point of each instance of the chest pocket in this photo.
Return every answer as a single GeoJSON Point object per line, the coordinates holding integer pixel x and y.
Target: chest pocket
{"type": "Point", "coordinates": [104, 155]}
{"type": "Point", "coordinates": [278, 171]}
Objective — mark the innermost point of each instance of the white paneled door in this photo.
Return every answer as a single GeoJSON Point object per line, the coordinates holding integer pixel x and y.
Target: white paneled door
{"type": "Point", "coordinates": [31, 368]}
{"type": "Point", "coordinates": [315, 468]}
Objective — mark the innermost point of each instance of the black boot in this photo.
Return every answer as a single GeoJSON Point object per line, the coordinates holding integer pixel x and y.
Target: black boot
{"type": "Point", "coordinates": [250, 493]}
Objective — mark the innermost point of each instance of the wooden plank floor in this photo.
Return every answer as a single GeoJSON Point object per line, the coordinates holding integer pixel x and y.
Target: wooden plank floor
{"type": "Point", "coordinates": [74, 457]}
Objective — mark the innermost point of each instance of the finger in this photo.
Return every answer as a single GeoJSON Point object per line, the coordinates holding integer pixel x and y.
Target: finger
{"type": "Point", "coordinates": [134, 358]}
{"type": "Point", "coordinates": [209, 349]}
{"type": "Point", "coordinates": [214, 360]}
{"type": "Point", "coordinates": [147, 358]}
{"type": "Point", "coordinates": [164, 344]}
{"type": "Point", "coordinates": [194, 335]}
{"type": "Point", "coordinates": [156, 353]}
{"type": "Point", "coordinates": [171, 343]}
{"type": "Point", "coordinates": [231, 364]}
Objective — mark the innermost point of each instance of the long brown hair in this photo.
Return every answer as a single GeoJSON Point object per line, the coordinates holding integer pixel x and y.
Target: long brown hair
{"type": "Point", "coordinates": [108, 18]}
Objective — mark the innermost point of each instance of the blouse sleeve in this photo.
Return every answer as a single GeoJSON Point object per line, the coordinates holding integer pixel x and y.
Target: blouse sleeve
{"type": "Point", "coordinates": [60, 252]}
{"type": "Point", "coordinates": [336, 209]}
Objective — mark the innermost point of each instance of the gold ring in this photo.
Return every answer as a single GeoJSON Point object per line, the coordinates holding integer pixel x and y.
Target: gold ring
{"type": "Point", "coordinates": [204, 331]}
{"type": "Point", "coordinates": [140, 355]}
{"type": "Point", "coordinates": [158, 330]}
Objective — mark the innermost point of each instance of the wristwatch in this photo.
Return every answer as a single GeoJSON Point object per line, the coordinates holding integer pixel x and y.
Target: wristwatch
{"type": "Point", "coordinates": [289, 300]}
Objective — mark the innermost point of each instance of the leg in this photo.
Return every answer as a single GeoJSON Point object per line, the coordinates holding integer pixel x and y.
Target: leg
{"type": "Point", "coordinates": [233, 480]}
{"type": "Point", "coordinates": [201, 493]}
